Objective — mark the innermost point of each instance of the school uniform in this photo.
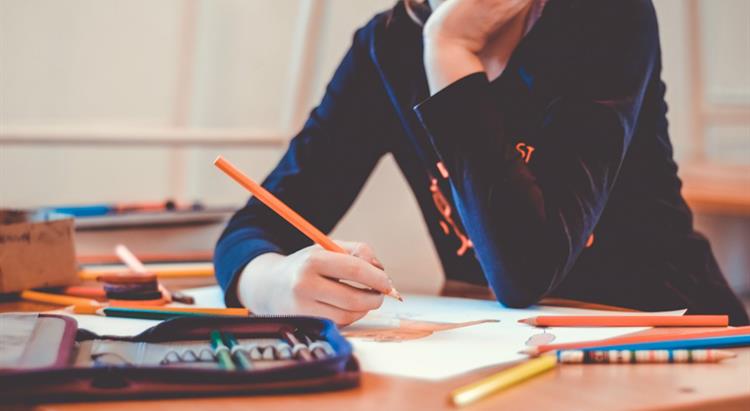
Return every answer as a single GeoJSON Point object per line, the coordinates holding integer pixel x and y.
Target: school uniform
{"type": "Point", "coordinates": [556, 179]}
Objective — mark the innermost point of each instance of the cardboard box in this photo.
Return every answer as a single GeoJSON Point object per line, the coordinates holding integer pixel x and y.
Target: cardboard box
{"type": "Point", "coordinates": [36, 250]}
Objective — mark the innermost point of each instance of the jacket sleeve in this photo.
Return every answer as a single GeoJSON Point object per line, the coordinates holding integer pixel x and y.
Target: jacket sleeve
{"type": "Point", "coordinates": [529, 217]}
{"type": "Point", "coordinates": [320, 174]}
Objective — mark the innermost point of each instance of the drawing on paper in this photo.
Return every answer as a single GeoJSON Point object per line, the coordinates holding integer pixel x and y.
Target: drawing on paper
{"type": "Point", "coordinates": [408, 330]}
{"type": "Point", "coordinates": [540, 339]}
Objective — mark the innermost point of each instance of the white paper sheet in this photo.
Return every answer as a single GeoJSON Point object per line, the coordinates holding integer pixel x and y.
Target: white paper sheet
{"type": "Point", "coordinates": [440, 355]}
{"type": "Point", "coordinates": [452, 352]}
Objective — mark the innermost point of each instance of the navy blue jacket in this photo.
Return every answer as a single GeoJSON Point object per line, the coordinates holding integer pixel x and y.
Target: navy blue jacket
{"type": "Point", "coordinates": [567, 148]}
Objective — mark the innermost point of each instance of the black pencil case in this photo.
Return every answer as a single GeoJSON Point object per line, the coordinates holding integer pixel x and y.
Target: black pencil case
{"type": "Point", "coordinates": [60, 362]}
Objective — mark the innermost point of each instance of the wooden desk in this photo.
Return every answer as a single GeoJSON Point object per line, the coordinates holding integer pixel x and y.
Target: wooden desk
{"type": "Point", "coordinates": [724, 386]}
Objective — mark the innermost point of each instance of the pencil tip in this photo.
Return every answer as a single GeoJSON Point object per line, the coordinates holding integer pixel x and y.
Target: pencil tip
{"type": "Point", "coordinates": [395, 294]}
{"type": "Point", "coordinates": [530, 351]}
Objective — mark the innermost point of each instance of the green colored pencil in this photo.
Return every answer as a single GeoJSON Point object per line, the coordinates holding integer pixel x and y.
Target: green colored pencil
{"type": "Point", "coordinates": [147, 314]}
{"type": "Point", "coordinates": [221, 351]}
{"type": "Point", "coordinates": [240, 357]}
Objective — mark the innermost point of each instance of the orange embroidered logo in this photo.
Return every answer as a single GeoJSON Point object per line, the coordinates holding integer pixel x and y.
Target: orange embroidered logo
{"type": "Point", "coordinates": [445, 209]}
{"type": "Point", "coordinates": [526, 151]}
{"type": "Point", "coordinates": [590, 241]}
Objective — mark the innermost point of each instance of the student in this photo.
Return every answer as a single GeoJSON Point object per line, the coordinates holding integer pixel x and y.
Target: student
{"type": "Point", "coordinates": [534, 137]}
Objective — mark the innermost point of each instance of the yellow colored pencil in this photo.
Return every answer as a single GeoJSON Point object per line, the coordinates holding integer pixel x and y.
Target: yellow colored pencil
{"type": "Point", "coordinates": [475, 391]}
{"type": "Point", "coordinates": [82, 305]}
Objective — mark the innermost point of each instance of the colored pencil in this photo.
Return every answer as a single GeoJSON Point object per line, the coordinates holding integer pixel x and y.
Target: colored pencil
{"type": "Point", "coordinates": [291, 216]}
{"type": "Point", "coordinates": [637, 339]}
{"type": "Point", "coordinates": [241, 357]}
{"type": "Point", "coordinates": [163, 313]}
{"type": "Point", "coordinates": [222, 352]}
{"type": "Point", "coordinates": [628, 321]}
{"type": "Point", "coordinates": [130, 260]}
{"type": "Point", "coordinates": [504, 379]}
{"type": "Point", "coordinates": [298, 349]}
{"type": "Point", "coordinates": [204, 270]}
{"type": "Point", "coordinates": [693, 343]}
{"type": "Point", "coordinates": [96, 210]}
{"type": "Point", "coordinates": [82, 305]}
{"type": "Point", "coordinates": [642, 356]}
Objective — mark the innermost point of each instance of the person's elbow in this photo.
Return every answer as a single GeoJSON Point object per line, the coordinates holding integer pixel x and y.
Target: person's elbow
{"type": "Point", "coordinates": [523, 285]}
{"type": "Point", "coordinates": [519, 296]}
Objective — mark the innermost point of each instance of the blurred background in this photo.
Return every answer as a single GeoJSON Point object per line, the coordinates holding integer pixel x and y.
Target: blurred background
{"type": "Point", "coordinates": [128, 101]}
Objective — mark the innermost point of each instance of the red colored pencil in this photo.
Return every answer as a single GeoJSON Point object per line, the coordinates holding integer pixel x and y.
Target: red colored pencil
{"type": "Point", "coordinates": [628, 321]}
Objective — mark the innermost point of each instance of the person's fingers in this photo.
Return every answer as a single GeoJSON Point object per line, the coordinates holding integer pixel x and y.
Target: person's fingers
{"type": "Point", "coordinates": [346, 267]}
{"type": "Point", "coordinates": [363, 251]}
{"type": "Point", "coordinates": [347, 297]}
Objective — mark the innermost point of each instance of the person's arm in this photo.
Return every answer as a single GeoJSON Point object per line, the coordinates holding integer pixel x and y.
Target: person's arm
{"type": "Point", "coordinates": [319, 176]}
{"type": "Point", "coordinates": [529, 217]}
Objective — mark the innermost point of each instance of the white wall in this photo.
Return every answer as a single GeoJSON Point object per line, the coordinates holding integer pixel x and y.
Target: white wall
{"type": "Point", "coordinates": [139, 68]}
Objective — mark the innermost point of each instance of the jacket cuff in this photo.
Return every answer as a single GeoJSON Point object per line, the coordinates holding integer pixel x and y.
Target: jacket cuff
{"type": "Point", "coordinates": [456, 115]}
{"type": "Point", "coordinates": [232, 254]}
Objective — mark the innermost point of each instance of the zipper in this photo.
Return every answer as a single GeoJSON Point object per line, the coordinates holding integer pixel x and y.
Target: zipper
{"type": "Point", "coordinates": [443, 206]}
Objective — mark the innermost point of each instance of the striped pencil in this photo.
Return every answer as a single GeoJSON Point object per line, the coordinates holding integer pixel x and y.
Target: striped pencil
{"type": "Point", "coordinates": [642, 356]}
{"type": "Point", "coordinates": [693, 343]}
{"type": "Point", "coordinates": [639, 339]}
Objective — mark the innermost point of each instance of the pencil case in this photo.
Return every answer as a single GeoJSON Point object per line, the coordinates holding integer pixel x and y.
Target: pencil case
{"type": "Point", "coordinates": [46, 358]}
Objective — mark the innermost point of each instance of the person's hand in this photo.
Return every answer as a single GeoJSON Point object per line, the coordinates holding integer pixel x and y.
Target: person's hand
{"type": "Point", "coordinates": [458, 32]}
{"type": "Point", "coordinates": [307, 283]}
{"type": "Point", "coordinates": [470, 24]}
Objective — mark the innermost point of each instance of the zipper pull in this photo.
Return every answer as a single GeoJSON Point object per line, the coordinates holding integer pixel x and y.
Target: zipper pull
{"type": "Point", "coordinates": [441, 168]}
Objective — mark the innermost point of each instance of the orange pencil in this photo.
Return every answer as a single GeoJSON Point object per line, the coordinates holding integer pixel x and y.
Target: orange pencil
{"type": "Point", "coordinates": [82, 305]}
{"type": "Point", "coordinates": [628, 321]}
{"type": "Point", "coordinates": [284, 211]}
{"type": "Point", "coordinates": [162, 271]}
{"type": "Point", "coordinates": [635, 339]}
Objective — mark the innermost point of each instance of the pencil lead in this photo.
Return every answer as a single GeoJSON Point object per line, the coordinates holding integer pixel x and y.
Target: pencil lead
{"type": "Point", "coordinates": [395, 294]}
{"type": "Point", "coordinates": [529, 321]}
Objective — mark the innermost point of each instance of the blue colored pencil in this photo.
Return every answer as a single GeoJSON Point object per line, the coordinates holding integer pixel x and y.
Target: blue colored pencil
{"type": "Point", "coordinates": [715, 342]}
